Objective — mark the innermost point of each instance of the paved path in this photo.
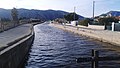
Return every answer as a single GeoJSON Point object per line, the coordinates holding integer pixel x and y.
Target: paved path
{"type": "Point", "coordinates": [13, 34]}
{"type": "Point", "coordinates": [102, 35]}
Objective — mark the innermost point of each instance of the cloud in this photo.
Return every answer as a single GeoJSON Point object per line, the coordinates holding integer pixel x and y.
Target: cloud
{"type": "Point", "coordinates": [7, 4]}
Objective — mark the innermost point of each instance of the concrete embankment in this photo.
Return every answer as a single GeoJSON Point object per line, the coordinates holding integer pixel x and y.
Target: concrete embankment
{"type": "Point", "coordinates": [15, 44]}
{"type": "Point", "coordinates": [102, 35]}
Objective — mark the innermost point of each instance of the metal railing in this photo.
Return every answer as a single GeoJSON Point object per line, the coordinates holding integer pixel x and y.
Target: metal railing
{"type": "Point", "coordinates": [94, 59]}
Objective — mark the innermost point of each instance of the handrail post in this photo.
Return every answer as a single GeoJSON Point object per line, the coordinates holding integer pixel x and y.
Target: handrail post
{"type": "Point", "coordinates": [95, 55]}
{"type": "Point", "coordinates": [92, 62]}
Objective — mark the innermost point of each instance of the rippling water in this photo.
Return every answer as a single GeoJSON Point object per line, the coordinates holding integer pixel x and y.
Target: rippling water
{"type": "Point", "coordinates": [55, 48]}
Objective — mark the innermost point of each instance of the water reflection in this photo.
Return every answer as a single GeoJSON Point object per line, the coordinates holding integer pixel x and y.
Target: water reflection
{"type": "Point", "coordinates": [55, 48]}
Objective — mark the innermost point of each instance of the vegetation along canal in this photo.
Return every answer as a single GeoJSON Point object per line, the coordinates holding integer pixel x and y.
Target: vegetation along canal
{"type": "Point", "coordinates": [55, 48]}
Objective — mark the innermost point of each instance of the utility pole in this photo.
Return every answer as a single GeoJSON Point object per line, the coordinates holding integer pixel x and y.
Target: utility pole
{"type": "Point", "coordinates": [1, 25]}
{"type": "Point", "coordinates": [93, 10]}
{"type": "Point", "coordinates": [74, 13]}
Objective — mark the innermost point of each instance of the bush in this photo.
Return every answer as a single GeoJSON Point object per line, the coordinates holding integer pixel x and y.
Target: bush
{"type": "Point", "coordinates": [107, 21]}
{"type": "Point", "coordinates": [84, 22]}
{"type": "Point", "coordinates": [70, 17]}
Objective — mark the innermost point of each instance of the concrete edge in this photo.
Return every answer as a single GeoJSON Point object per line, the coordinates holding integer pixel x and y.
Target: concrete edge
{"type": "Point", "coordinates": [87, 35]}
{"type": "Point", "coordinates": [14, 43]}
{"type": "Point", "coordinates": [17, 43]}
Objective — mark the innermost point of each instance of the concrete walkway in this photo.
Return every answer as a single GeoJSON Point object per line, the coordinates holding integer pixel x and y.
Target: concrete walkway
{"type": "Point", "coordinates": [102, 35]}
{"type": "Point", "coordinates": [14, 34]}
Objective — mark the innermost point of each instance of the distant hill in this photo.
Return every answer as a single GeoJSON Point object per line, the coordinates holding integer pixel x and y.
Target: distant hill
{"type": "Point", "coordinates": [5, 13]}
{"type": "Point", "coordinates": [111, 13]}
{"type": "Point", "coordinates": [39, 14]}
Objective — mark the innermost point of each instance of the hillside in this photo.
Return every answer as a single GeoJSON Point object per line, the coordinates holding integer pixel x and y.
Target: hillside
{"type": "Point", "coordinates": [111, 13]}
{"type": "Point", "coordinates": [39, 14]}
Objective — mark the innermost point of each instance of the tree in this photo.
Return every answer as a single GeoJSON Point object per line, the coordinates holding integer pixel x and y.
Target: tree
{"type": "Point", "coordinates": [14, 14]}
{"type": "Point", "coordinates": [107, 21]}
{"type": "Point", "coordinates": [84, 22]}
{"type": "Point", "coordinates": [5, 19]}
{"type": "Point", "coordinates": [22, 18]}
{"type": "Point", "coordinates": [71, 17]}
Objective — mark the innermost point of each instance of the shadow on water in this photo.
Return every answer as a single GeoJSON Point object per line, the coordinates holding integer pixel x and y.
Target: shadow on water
{"type": "Point", "coordinates": [55, 48]}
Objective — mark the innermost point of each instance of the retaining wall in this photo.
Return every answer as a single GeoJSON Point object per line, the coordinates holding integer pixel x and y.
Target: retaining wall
{"type": "Point", "coordinates": [96, 27]}
{"type": "Point", "coordinates": [93, 27]}
{"type": "Point", "coordinates": [15, 55]}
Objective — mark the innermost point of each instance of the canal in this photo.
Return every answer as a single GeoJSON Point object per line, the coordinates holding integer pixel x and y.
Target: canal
{"type": "Point", "coordinates": [55, 48]}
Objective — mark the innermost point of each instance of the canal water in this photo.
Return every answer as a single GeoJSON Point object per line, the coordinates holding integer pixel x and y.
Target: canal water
{"type": "Point", "coordinates": [55, 48]}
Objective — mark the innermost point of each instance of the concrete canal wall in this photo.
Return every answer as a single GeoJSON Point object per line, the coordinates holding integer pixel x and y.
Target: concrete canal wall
{"type": "Point", "coordinates": [99, 34]}
{"type": "Point", "coordinates": [15, 45]}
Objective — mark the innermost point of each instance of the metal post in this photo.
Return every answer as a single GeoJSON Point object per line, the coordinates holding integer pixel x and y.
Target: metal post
{"type": "Point", "coordinates": [92, 62]}
{"type": "Point", "coordinates": [0, 24]}
{"type": "Point", "coordinates": [95, 55]}
{"type": "Point", "coordinates": [96, 59]}
{"type": "Point", "coordinates": [93, 10]}
{"type": "Point", "coordinates": [74, 13]}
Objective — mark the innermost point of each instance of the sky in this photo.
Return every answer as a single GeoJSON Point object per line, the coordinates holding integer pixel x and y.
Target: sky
{"type": "Point", "coordinates": [83, 7]}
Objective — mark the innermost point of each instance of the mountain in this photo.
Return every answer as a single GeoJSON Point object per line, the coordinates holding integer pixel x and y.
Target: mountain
{"type": "Point", "coordinates": [114, 13]}
{"type": "Point", "coordinates": [111, 13]}
{"type": "Point", "coordinates": [39, 14]}
{"type": "Point", "coordinates": [5, 13]}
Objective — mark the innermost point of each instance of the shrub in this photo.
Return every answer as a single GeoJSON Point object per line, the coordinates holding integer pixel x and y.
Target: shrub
{"type": "Point", "coordinates": [84, 22]}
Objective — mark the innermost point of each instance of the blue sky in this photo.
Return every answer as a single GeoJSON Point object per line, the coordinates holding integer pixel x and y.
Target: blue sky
{"type": "Point", "coordinates": [83, 7]}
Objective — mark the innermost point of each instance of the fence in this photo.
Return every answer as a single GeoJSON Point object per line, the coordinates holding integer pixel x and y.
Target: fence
{"type": "Point", "coordinates": [95, 59]}
{"type": "Point", "coordinates": [6, 25]}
